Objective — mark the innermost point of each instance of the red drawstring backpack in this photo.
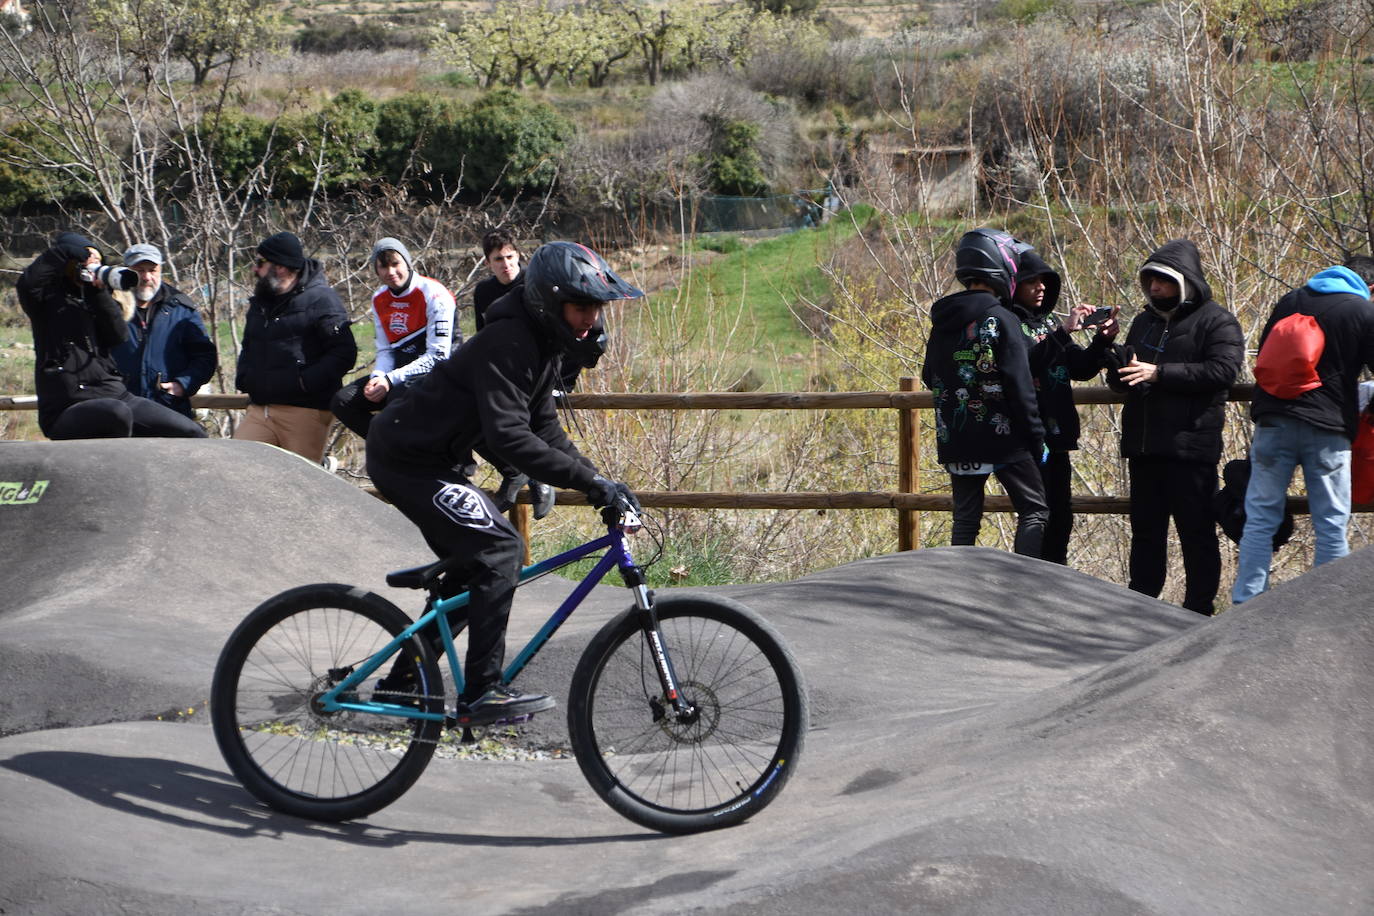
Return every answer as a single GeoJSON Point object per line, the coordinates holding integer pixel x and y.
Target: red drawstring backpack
{"type": "Point", "coordinates": [1287, 363]}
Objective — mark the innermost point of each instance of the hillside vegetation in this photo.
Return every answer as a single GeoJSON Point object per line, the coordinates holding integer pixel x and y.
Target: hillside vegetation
{"type": "Point", "coordinates": [1095, 131]}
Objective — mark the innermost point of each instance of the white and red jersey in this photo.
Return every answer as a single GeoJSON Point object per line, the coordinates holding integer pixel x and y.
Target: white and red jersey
{"type": "Point", "coordinates": [415, 329]}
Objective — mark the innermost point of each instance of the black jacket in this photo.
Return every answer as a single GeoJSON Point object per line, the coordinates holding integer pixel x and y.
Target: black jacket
{"type": "Point", "coordinates": [75, 326]}
{"type": "Point", "coordinates": [985, 409]}
{"type": "Point", "coordinates": [493, 396]}
{"type": "Point", "coordinates": [1198, 349]}
{"type": "Point", "coordinates": [171, 346]}
{"type": "Point", "coordinates": [1056, 360]}
{"type": "Point", "coordinates": [296, 347]}
{"type": "Point", "coordinates": [486, 293]}
{"type": "Point", "coordinates": [1347, 321]}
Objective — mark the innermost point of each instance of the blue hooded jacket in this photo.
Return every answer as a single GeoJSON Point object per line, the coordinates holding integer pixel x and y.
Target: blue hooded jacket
{"type": "Point", "coordinates": [1339, 300]}
{"type": "Point", "coordinates": [173, 347]}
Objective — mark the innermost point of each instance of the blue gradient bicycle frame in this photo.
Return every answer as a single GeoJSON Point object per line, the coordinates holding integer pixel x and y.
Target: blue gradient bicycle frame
{"type": "Point", "coordinates": [343, 696]}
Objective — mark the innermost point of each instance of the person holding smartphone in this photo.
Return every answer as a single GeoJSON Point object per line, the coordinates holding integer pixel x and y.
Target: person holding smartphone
{"type": "Point", "coordinates": [1056, 362]}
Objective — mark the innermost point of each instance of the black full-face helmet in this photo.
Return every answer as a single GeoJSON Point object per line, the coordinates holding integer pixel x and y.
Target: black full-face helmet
{"type": "Point", "coordinates": [989, 256]}
{"type": "Point", "coordinates": [561, 272]}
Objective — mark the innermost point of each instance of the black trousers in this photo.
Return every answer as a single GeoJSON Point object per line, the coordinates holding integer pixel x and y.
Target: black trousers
{"type": "Point", "coordinates": [1165, 488]}
{"type": "Point", "coordinates": [458, 519]}
{"type": "Point", "coordinates": [1056, 473]}
{"type": "Point", "coordinates": [121, 417]}
{"type": "Point", "coordinates": [354, 410]}
{"type": "Point", "coordinates": [1021, 480]}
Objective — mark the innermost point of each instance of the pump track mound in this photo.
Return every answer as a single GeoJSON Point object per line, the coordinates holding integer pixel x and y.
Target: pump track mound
{"type": "Point", "coordinates": [990, 734]}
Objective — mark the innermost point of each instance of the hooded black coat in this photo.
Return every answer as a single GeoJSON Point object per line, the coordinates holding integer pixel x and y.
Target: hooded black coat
{"type": "Point", "coordinates": [297, 347]}
{"type": "Point", "coordinates": [985, 406]}
{"type": "Point", "coordinates": [494, 397]}
{"type": "Point", "coordinates": [75, 326]}
{"type": "Point", "coordinates": [1199, 349]}
{"type": "Point", "coordinates": [1056, 360]}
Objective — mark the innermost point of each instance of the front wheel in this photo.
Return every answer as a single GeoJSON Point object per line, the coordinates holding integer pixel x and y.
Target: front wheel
{"type": "Point", "coordinates": [714, 767]}
{"type": "Point", "coordinates": [280, 741]}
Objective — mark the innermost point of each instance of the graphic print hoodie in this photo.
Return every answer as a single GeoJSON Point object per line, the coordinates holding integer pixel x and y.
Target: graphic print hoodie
{"type": "Point", "coordinates": [985, 405]}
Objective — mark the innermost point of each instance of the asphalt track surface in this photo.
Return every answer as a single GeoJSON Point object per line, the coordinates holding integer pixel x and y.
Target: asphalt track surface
{"type": "Point", "coordinates": [990, 734]}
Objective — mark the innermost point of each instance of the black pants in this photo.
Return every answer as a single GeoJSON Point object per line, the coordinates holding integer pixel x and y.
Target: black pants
{"type": "Point", "coordinates": [121, 417]}
{"type": "Point", "coordinates": [354, 410]}
{"type": "Point", "coordinates": [1056, 473]}
{"type": "Point", "coordinates": [1164, 488]}
{"type": "Point", "coordinates": [1021, 480]}
{"type": "Point", "coordinates": [458, 519]}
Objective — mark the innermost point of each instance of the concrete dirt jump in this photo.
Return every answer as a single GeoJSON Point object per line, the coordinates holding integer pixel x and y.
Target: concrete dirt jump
{"type": "Point", "coordinates": [990, 734]}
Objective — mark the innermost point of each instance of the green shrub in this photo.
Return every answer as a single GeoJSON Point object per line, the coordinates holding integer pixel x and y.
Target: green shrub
{"type": "Point", "coordinates": [333, 147]}
{"type": "Point", "coordinates": [734, 165]}
{"type": "Point", "coordinates": [413, 132]}
{"type": "Point", "coordinates": [21, 184]}
{"type": "Point", "coordinates": [508, 142]}
{"type": "Point", "coordinates": [239, 141]}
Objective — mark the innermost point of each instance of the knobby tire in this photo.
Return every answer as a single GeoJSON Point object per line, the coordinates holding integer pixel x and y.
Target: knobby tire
{"type": "Point", "coordinates": [716, 770]}
{"type": "Point", "coordinates": [289, 753]}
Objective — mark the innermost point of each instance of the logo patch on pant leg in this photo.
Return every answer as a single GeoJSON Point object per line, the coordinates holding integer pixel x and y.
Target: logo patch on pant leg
{"type": "Point", "coordinates": [463, 504]}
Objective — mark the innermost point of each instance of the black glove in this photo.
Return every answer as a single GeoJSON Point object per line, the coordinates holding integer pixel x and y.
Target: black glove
{"type": "Point", "coordinates": [605, 492]}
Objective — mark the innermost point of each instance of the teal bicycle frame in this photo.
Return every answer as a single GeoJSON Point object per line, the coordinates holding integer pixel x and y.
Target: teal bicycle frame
{"type": "Point", "coordinates": [343, 695]}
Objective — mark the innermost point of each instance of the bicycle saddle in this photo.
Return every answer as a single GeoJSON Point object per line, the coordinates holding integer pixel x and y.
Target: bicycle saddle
{"type": "Point", "coordinates": [421, 576]}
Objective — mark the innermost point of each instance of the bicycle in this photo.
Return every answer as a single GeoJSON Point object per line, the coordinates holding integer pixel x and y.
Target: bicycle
{"type": "Point", "coordinates": [685, 713]}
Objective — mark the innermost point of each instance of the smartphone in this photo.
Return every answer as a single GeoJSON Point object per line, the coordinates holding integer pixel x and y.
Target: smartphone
{"type": "Point", "coordinates": [1097, 317]}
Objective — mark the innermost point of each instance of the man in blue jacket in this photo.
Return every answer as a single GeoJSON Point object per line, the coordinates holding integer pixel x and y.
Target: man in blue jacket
{"type": "Point", "coordinates": [297, 347]}
{"type": "Point", "coordinates": [168, 355]}
{"type": "Point", "coordinates": [1314, 429]}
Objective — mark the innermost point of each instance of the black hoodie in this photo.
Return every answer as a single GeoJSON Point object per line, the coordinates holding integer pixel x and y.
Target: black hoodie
{"type": "Point", "coordinates": [1198, 347]}
{"type": "Point", "coordinates": [493, 396]}
{"type": "Point", "coordinates": [1056, 361]}
{"type": "Point", "coordinates": [297, 347]}
{"type": "Point", "coordinates": [976, 366]}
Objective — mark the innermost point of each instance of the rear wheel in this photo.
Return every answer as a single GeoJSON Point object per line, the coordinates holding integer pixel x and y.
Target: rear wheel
{"type": "Point", "coordinates": [280, 742]}
{"type": "Point", "coordinates": [715, 767]}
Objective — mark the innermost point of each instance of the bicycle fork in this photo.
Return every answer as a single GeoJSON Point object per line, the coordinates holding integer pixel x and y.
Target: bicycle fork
{"type": "Point", "coordinates": [667, 677]}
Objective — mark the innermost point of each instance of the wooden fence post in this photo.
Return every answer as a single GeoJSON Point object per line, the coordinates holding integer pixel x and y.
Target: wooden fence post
{"type": "Point", "coordinates": [519, 516]}
{"type": "Point", "coordinates": [908, 470]}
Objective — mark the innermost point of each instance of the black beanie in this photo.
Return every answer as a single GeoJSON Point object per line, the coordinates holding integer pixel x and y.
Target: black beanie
{"type": "Point", "coordinates": [284, 249]}
{"type": "Point", "coordinates": [73, 245]}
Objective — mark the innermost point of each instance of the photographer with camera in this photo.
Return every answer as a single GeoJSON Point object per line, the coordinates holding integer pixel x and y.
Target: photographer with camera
{"type": "Point", "coordinates": [76, 323]}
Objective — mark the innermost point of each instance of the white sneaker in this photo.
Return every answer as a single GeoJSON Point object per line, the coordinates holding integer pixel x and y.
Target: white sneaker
{"type": "Point", "coordinates": [330, 463]}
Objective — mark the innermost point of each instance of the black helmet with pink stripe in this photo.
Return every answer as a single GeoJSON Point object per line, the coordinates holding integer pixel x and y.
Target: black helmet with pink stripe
{"type": "Point", "coordinates": [989, 256]}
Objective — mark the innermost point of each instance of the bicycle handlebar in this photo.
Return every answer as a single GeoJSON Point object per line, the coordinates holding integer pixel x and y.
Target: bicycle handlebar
{"type": "Point", "coordinates": [621, 514]}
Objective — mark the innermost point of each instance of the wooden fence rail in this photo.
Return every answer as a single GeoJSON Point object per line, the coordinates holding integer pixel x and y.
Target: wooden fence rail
{"type": "Point", "coordinates": [906, 501]}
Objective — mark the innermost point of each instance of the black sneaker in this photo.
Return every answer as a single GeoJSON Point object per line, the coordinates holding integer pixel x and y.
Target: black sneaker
{"type": "Point", "coordinates": [501, 703]}
{"type": "Point", "coordinates": [542, 498]}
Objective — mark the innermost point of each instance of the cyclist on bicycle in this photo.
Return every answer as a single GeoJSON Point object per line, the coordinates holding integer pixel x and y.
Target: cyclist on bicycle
{"type": "Point", "coordinates": [494, 396]}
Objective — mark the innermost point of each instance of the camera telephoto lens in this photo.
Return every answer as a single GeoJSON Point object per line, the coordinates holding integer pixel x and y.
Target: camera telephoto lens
{"type": "Point", "coordinates": [116, 277]}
